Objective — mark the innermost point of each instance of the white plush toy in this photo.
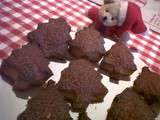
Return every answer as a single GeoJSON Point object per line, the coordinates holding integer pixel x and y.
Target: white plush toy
{"type": "Point", "coordinates": [116, 17]}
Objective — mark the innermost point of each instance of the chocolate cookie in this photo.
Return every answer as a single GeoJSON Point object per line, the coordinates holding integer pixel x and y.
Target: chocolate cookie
{"type": "Point", "coordinates": [129, 106]}
{"type": "Point", "coordinates": [52, 38]}
{"type": "Point", "coordinates": [118, 62]}
{"type": "Point", "coordinates": [83, 116]}
{"type": "Point", "coordinates": [88, 44]}
{"type": "Point", "coordinates": [47, 104]}
{"type": "Point", "coordinates": [81, 84]}
{"type": "Point", "coordinates": [26, 67]}
{"type": "Point", "coordinates": [148, 85]}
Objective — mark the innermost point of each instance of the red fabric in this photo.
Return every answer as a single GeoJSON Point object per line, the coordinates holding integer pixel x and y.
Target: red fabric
{"type": "Point", "coordinates": [133, 22]}
{"type": "Point", "coordinates": [148, 47]}
{"type": "Point", "coordinates": [93, 14]}
{"type": "Point", "coordinates": [18, 17]}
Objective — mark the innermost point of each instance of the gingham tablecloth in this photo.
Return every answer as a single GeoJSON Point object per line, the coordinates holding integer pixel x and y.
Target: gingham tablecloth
{"type": "Point", "coordinates": [18, 17]}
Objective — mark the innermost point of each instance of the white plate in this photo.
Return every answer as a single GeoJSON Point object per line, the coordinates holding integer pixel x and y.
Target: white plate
{"type": "Point", "coordinates": [11, 106]}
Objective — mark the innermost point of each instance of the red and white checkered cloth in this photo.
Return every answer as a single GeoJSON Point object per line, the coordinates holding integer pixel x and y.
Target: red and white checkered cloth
{"type": "Point", "coordinates": [149, 48]}
{"type": "Point", "coordinates": [18, 17]}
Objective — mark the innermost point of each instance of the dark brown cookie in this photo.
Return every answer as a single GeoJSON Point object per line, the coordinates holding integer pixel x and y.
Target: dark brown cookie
{"type": "Point", "coordinates": [83, 116]}
{"type": "Point", "coordinates": [129, 106]}
{"type": "Point", "coordinates": [118, 62]}
{"type": "Point", "coordinates": [47, 104]}
{"type": "Point", "coordinates": [81, 84]}
{"type": "Point", "coordinates": [88, 44]}
{"type": "Point", "coordinates": [148, 85]}
{"type": "Point", "coordinates": [52, 38]}
{"type": "Point", "coordinates": [26, 67]}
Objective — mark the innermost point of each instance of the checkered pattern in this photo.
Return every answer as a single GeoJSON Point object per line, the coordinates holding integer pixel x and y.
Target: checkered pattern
{"type": "Point", "coordinates": [149, 48]}
{"type": "Point", "coordinates": [18, 17]}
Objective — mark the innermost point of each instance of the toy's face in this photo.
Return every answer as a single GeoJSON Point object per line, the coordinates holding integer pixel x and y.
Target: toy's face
{"type": "Point", "coordinates": [109, 14]}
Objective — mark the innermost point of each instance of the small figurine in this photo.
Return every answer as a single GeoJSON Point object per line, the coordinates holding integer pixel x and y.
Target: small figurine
{"type": "Point", "coordinates": [116, 17]}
